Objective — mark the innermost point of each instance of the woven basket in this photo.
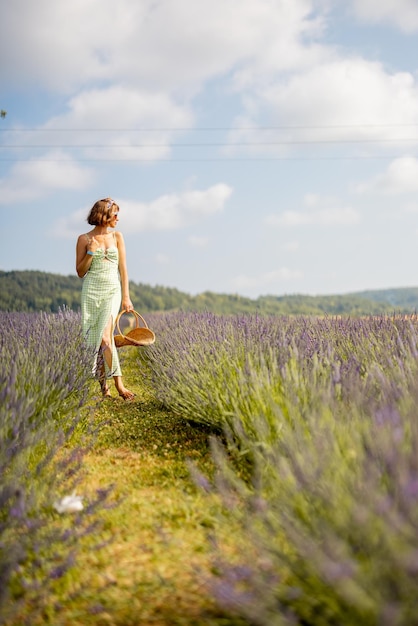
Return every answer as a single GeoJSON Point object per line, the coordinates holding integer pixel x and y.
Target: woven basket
{"type": "Point", "coordinates": [138, 336]}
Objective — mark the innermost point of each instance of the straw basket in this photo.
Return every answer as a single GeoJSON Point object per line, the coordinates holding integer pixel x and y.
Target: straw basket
{"type": "Point", "coordinates": [138, 336]}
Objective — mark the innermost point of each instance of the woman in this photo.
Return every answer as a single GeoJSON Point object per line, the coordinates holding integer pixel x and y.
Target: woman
{"type": "Point", "coordinates": [101, 262]}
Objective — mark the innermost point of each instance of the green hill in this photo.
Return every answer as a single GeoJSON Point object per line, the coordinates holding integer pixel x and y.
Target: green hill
{"type": "Point", "coordinates": [403, 297]}
{"type": "Point", "coordinates": [42, 291]}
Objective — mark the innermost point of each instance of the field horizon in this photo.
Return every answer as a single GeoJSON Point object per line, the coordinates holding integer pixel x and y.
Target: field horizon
{"type": "Point", "coordinates": [34, 290]}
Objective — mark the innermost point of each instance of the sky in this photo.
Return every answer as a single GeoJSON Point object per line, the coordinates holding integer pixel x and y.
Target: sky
{"type": "Point", "coordinates": [254, 147]}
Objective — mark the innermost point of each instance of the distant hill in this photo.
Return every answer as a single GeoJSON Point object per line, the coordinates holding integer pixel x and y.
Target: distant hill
{"type": "Point", "coordinates": [402, 297]}
{"type": "Point", "coordinates": [42, 291]}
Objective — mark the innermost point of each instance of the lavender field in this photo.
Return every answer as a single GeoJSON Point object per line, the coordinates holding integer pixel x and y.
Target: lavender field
{"type": "Point", "coordinates": [314, 440]}
{"type": "Point", "coordinates": [44, 385]}
{"type": "Point", "coordinates": [319, 460]}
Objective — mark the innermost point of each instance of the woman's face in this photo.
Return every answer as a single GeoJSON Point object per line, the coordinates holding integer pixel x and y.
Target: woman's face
{"type": "Point", "coordinates": [114, 218]}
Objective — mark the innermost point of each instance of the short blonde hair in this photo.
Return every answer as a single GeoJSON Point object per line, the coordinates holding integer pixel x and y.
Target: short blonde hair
{"type": "Point", "coordinates": [101, 212]}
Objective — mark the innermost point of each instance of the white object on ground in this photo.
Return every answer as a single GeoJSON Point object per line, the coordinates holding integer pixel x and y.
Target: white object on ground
{"type": "Point", "coordinates": [69, 504]}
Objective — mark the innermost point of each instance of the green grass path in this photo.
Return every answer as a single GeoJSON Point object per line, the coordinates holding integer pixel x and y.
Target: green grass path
{"type": "Point", "coordinates": [154, 569]}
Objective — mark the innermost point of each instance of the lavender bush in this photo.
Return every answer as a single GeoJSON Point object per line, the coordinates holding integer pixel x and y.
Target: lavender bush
{"type": "Point", "coordinates": [325, 409]}
{"type": "Point", "coordinates": [212, 369]}
{"type": "Point", "coordinates": [330, 516]}
{"type": "Point", "coordinates": [44, 382]}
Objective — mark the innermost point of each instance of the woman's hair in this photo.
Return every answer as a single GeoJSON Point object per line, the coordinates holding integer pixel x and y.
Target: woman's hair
{"type": "Point", "coordinates": [101, 211]}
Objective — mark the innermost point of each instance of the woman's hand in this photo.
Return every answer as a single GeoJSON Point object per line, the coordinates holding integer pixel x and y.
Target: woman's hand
{"type": "Point", "coordinates": [127, 305]}
{"type": "Point", "coordinates": [92, 244]}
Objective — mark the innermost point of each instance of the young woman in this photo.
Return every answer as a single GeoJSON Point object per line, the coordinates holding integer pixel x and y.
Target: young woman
{"type": "Point", "coordinates": [101, 262]}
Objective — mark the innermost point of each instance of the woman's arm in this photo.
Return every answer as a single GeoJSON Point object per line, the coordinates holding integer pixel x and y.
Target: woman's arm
{"type": "Point", "coordinates": [83, 260]}
{"type": "Point", "coordinates": [123, 271]}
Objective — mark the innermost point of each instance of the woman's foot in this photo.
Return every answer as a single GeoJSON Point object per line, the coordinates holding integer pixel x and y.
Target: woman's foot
{"type": "Point", "coordinates": [121, 389]}
{"type": "Point", "coordinates": [105, 390]}
{"type": "Point", "coordinates": [125, 394]}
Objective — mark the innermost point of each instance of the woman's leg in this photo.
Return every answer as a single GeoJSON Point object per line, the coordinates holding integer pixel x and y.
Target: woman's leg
{"type": "Point", "coordinates": [101, 372]}
{"type": "Point", "coordinates": [107, 354]}
{"type": "Point", "coordinates": [105, 357]}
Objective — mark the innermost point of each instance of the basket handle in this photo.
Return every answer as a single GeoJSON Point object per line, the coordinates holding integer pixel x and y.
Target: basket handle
{"type": "Point", "coordinates": [137, 317]}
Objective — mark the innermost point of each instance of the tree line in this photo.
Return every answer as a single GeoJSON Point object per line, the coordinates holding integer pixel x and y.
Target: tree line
{"type": "Point", "coordinates": [42, 291]}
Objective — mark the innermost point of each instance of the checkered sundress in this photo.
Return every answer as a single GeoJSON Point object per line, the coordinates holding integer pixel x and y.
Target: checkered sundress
{"type": "Point", "coordinates": [100, 301]}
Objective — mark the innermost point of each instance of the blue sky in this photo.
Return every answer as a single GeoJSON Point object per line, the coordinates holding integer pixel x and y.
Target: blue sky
{"type": "Point", "coordinates": [254, 146]}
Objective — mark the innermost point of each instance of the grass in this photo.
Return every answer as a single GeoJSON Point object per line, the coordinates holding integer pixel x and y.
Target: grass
{"type": "Point", "coordinates": [150, 559]}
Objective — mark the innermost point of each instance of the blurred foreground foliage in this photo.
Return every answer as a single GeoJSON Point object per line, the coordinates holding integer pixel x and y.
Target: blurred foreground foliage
{"type": "Point", "coordinates": [44, 387]}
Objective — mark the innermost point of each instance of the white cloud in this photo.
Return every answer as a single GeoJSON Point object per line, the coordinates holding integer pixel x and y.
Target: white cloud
{"type": "Point", "coordinates": [291, 246]}
{"type": "Point", "coordinates": [176, 210]}
{"type": "Point", "coordinates": [70, 226]}
{"type": "Point", "coordinates": [320, 211]}
{"type": "Point", "coordinates": [168, 212]}
{"type": "Point", "coordinates": [411, 207]}
{"type": "Point", "coordinates": [341, 106]}
{"type": "Point", "coordinates": [271, 278]}
{"type": "Point", "coordinates": [83, 37]}
{"type": "Point", "coordinates": [82, 127]}
{"type": "Point", "coordinates": [198, 242]}
{"type": "Point", "coordinates": [121, 108]}
{"type": "Point", "coordinates": [32, 180]}
{"type": "Point", "coordinates": [402, 13]}
{"type": "Point", "coordinates": [144, 62]}
{"type": "Point", "coordinates": [401, 176]}
{"type": "Point", "coordinates": [178, 45]}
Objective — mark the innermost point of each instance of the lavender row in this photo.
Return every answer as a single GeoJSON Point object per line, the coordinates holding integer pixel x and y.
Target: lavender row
{"type": "Point", "coordinates": [321, 414]}
{"type": "Point", "coordinates": [329, 519]}
{"type": "Point", "coordinates": [44, 382]}
{"type": "Point", "coordinates": [212, 369]}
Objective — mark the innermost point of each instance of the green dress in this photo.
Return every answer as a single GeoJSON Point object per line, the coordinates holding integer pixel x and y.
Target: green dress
{"type": "Point", "coordinates": [100, 301]}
